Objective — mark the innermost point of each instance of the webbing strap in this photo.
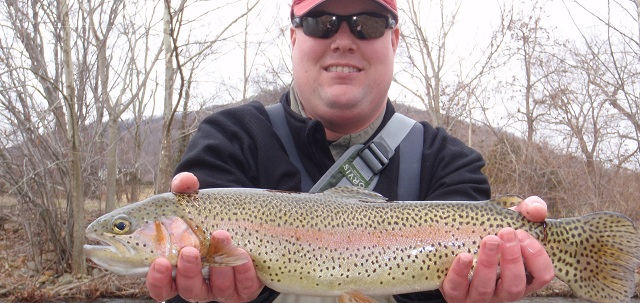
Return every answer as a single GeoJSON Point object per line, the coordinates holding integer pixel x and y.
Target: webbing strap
{"type": "Point", "coordinates": [280, 126]}
{"type": "Point", "coordinates": [335, 176]}
{"type": "Point", "coordinates": [360, 165]}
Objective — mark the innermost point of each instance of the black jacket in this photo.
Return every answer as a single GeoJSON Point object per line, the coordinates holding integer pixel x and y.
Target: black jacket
{"type": "Point", "coordinates": [238, 147]}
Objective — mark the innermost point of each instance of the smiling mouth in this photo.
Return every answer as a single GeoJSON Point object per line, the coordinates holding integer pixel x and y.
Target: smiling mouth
{"type": "Point", "coordinates": [342, 69]}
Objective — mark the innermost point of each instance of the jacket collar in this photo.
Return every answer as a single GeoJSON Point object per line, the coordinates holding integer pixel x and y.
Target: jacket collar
{"type": "Point", "coordinates": [338, 147]}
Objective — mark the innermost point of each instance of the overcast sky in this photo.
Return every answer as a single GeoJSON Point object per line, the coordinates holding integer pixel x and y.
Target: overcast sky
{"type": "Point", "coordinates": [270, 21]}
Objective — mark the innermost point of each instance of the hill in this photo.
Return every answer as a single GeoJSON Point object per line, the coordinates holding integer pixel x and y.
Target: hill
{"type": "Point", "coordinates": [513, 166]}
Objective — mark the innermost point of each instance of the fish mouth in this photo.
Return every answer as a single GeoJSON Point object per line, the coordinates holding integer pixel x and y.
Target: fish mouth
{"type": "Point", "coordinates": [115, 256]}
{"type": "Point", "coordinates": [108, 244]}
{"type": "Point", "coordinates": [121, 269]}
{"type": "Point", "coordinates": [91, 250]}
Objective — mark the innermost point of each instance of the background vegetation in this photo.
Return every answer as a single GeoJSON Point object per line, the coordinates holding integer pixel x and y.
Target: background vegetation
{"type": "Point", "coordinates": [99, 98]}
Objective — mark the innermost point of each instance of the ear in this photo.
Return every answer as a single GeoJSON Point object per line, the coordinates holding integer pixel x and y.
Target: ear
{"type": "Point", "coordinates": [292, 36]}
{"type": "Point", "coordinates": [395, 38]}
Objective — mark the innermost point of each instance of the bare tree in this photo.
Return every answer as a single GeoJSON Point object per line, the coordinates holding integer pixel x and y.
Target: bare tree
{"type": "Point", "coordinates": [136, 76]}
{"type": "Point", "coordinates": [617, 53]}
{"type": "Point", "coordinates": [573, 100]}
{"type": "Point", "coordinates": [48, 144]}
{"type": "Point", "coordinates": [533, 45]}
{"type": "Point", "coordinates": [76, 201]}
{"type": "Point", "coordinates": [173, 21]}
{"type": "Point", "coordinates": [443, 83]}
{"type": "Point", "coordinates": [114, 107]}
{"type": "Point", "coordinates": [54, 157]}
{"type": "Point", "coordinates": [273, 72]}
{"type": "Point", "coordinates": [578, 112]}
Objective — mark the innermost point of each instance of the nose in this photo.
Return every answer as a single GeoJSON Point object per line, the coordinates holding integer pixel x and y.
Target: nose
{"type": "Point", "coordinates": [343, 40]}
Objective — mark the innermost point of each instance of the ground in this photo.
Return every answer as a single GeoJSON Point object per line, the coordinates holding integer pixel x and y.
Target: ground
{"type": "Point", "coordinates": [22, 282]}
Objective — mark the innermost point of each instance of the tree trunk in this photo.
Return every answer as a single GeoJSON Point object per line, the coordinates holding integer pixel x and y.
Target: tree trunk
{"type": "Point", "coordinates": [112, 163]}
{"type": "Point", "coordinates": [76, 204]}
{"type": "Point", "coordinates": [165, 166]}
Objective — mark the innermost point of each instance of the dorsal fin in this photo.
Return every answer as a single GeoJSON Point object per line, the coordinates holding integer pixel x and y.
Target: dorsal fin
{"type": "Point", "coordinates": [358, 193]}
{"type": "Point", "coordinates": [507, 201]}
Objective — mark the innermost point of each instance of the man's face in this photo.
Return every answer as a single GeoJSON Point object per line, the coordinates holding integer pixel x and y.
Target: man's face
{"type": "Point", "coordinates": [344, 81]}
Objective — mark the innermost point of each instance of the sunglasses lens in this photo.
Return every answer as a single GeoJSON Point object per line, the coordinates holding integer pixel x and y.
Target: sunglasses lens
{"type": "Point", "coordinates": [368, 27]}
{"type": "Point", "coordinates": [320, 27]}
{"type": "Point", "coordinates": [363, 26]}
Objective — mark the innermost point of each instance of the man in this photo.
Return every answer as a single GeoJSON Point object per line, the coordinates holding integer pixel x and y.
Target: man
{"type": "Point", "coordinates": [342, 74]}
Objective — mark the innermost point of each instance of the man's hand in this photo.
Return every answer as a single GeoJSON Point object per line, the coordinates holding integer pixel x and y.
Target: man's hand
{"type": "Point", "coordinates": [226, 284]}
{"type": "Point", "coordinates": [516, 252]}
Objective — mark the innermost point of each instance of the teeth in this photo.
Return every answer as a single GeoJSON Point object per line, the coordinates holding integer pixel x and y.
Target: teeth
{"type": "Point", "coordinates": [342, 69]}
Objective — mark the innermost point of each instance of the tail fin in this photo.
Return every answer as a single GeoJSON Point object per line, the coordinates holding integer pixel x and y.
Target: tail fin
{"type": "Point", "coordinates": [596, 255]}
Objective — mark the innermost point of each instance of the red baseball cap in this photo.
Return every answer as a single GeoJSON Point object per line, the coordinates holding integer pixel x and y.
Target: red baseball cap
{"type": "Point", "coordinates": [301, 7]}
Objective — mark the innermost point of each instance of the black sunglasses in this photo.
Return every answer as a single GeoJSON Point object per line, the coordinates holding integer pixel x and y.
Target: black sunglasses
{"type": "Point", "coordinates": [363, 26]}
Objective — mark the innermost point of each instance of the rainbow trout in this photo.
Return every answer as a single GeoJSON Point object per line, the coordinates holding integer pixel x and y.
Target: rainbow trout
{"type": "Point", "coordinates": [349, 241]}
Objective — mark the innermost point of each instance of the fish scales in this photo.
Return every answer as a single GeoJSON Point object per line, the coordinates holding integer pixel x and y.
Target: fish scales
{"type": "Point", "coordinates": [350, 240]}
{"type": "Point", "coordinates": [332, 244]}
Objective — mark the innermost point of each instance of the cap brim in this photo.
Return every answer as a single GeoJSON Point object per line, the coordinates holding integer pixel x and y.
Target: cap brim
{"type": "Point", "coordinates": [304, 7]}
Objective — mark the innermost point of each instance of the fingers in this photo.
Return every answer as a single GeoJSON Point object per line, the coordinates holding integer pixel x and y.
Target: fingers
{"type": "Point", "coordinates": [515, 249]}
{"type": "Point", "coordinates": [189, 279]}
{"type": "Point", "coordinates": [185, 183]}
{"type": "Point", "coordinates": [455, 286]}
{"type": "Point", "coordinates": [485, 273]}
{"type": "Point", "coordinates": [248, 284]}
{"type": "Point", "coordinates": [238, 283]}
{"type": "Point", "coordinates": [512, 283]}
{"type": "Point", "coordinates": [235, 284]}
{"type": "Point", "coordinates": [159, 281]}
{"type": "Point", "coordinates": [533, 208]}
{"type": "Point", "coordinates": [226, 284]}
{"type": "Point", "coordinates": [536, 260]}
{"type": "Point", "coordinates": [510, 251]}
{"type": "Point", "coordinates": [222, 283]}
{"type": "Point", "coordinates": [222, 279]}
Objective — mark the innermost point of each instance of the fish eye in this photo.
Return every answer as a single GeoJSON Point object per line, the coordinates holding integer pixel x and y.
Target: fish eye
{"type": "Point", "coordinates": [120, 225]}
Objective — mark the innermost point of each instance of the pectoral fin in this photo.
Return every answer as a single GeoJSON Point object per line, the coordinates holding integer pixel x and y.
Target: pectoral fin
{"type": "Point", "coordinates": [355, 297]}
{"type": "Point", "coordinates": [221, 253]}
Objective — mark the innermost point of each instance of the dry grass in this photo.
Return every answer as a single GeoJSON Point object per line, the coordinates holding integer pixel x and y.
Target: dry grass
{"type": "Point", "coordinates": [22, 282]}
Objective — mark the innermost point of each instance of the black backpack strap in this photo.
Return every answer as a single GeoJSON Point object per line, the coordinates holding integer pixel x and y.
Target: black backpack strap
{"type": "Point", "coordinates": [410, 153]}
{"type": "Point", "coordinates": [280, 126]}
